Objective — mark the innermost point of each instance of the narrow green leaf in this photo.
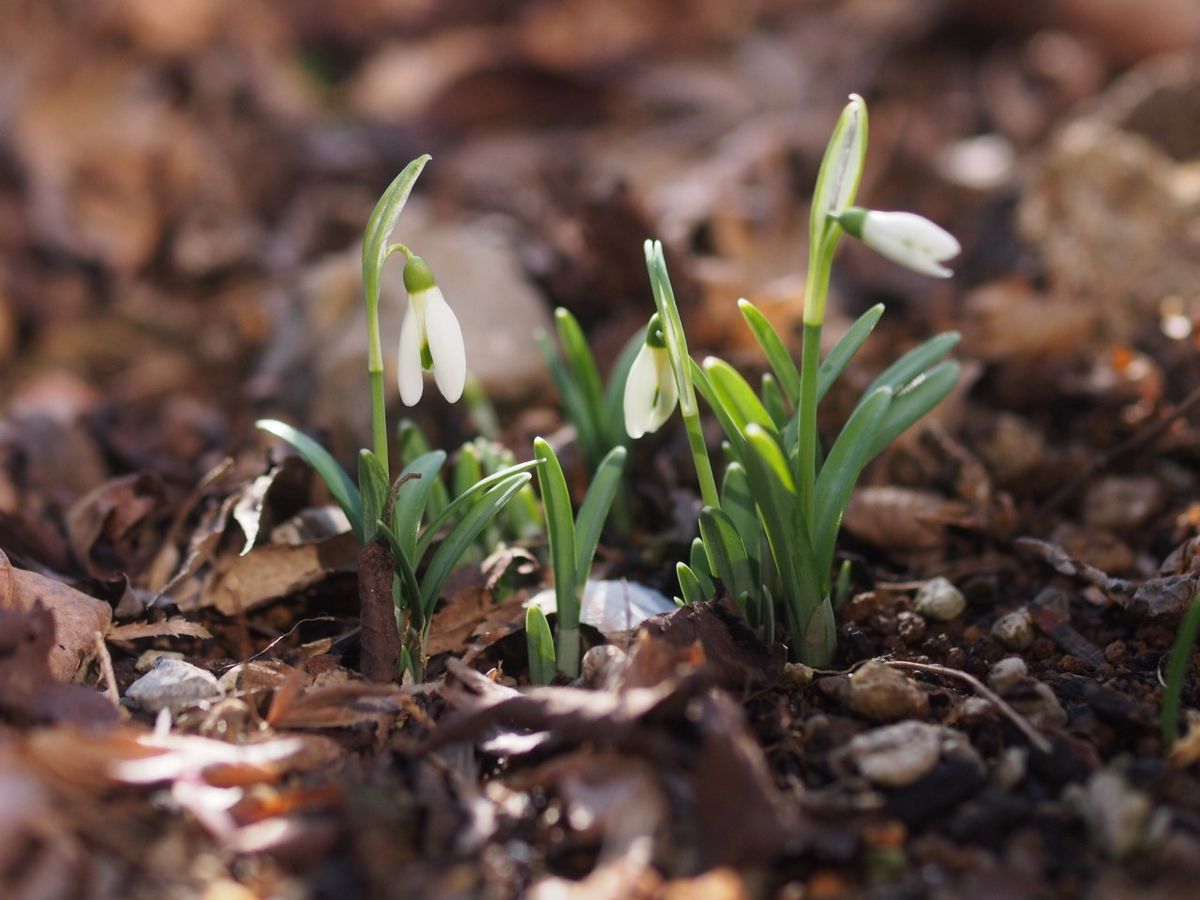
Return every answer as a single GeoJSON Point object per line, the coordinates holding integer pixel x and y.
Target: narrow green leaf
{"type": "Point", "coordinates": [737, 396]}
{"type": "Point", "coordinates": [560, 533]}
{"type": "Point", "coordinates": [698, 563]}
{"type": "Point", "coordinates": [575, 406]}
{"type": "Point", "coordinates": [408, 598]}
{"type": "Point", "coordinates": [787, 532]}
{"type": "Point", "coordinates": [580, 362]}
{"type": "Point", "coordinates": [459, 506]}
{"type": "Point", "coordinates": [726, 552]}
{"type": "Point", "coordinates": [689, 585]}
{"type": "Point", "coordinates": [468, 469]}
{"type": "Point", "coordinates": [774, 401]}
{"type": "Point", "coordinates": [412, 496]}
{"type": "Point", "coordinates": [737, 501]}
{"type": "Point", "coordinates": [1177, 666]}
{"type": "Point", "coordinates": [774, 349]}
{"type": "Point", "coordinates": [381, 222]}
{"type": "Point", "coordinates": [341, 488]}
{"type": "Point", "coordinates": [913, 401]}
{"type": "Point", "coordinates": [373, 489]}
{"type": "Point", "coordinates": [914, 362]}
{"type": "Point", "coordinates": [462, 535]}
{"type": "Point", "coordinates": [540, 644]}
{"type": "Point", "coordinates": [594, 510]}
{"type": "Point", "coordinates": [843, 351]}
{"type": "Point", "coordinates": [704, 387]}
{"type": "Point", "coordinates": [414, 444]}
{"type": "Point", "coordinates": [835, 482]}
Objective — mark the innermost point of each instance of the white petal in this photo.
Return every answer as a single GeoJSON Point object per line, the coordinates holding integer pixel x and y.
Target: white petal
{"type": "Point", "coordinates": [641, 386]}
{"type": "Point", "coordinates": [409, 367]}
{"type": "Point", "coordinates": [445, 346]}
{"type": "Point", "coordinates": [668, 391]}
{"type": "Point", "coordinates": [910, 240]}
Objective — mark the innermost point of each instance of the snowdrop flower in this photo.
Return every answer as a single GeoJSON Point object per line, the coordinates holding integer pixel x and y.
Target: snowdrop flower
{"type": "Point", "coordinates": [430, 338]}
{"type": "Point", "coordinates": [650, 389]}
{"type": "Point", "coordinates": [905, 238]}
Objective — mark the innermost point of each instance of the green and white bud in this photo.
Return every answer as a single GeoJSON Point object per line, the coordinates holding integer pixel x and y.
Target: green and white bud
{"type": "Point", "coordinates": [905, 238]}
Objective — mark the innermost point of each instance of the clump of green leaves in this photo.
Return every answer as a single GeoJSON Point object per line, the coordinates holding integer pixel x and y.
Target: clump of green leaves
{"type": "Point", "coordinates": [573, 540]}
{"type": "Point", "coordinates": [769, 534]}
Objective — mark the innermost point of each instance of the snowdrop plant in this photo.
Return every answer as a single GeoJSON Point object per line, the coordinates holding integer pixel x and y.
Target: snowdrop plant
{"type": "Point", "coordinates": [573, 540]}
{"type": "Point", "coordinates": [770, 533]}
{"type": "Point", "coordinates": [424, 544]}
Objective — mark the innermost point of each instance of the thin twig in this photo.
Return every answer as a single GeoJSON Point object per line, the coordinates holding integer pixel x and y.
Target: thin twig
{"type": "Point", "coordinates": [106, 669]}
{"type": "Point", "coordinates": [984, 691]}
{"type": "Point", "coordinates": [1104, 460]}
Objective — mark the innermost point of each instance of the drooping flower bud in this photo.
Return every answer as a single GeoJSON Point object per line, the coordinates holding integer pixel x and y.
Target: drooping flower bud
{"type": "Point", "coordinates": [430, 338]}
{"type": "Point", "coordinates": [650, 389]}
{"type": "Point", "coordinates": [903, 237]}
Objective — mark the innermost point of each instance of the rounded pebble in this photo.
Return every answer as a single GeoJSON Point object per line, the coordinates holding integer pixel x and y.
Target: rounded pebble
{"type": "Point", "coordinates": [940, 600]}
{"type": "Point", "coordinates": [1015, 630]}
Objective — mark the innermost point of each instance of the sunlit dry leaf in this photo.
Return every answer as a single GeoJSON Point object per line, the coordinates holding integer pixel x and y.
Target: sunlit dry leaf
{"type": "Point", "coordinates": [177, 626]}
{"type": "Point", "coordinates": [116, 521]}
{"type": "Point", "coordinates": [266, 573]}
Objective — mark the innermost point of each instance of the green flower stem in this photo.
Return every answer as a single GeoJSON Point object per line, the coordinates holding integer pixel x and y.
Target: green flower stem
{"type": "Point", "coordinates": [379, 429]}
{"type": "Point", "coordinates": [704, 472]}
{"type": "Point", "coordinates": [816, 293]}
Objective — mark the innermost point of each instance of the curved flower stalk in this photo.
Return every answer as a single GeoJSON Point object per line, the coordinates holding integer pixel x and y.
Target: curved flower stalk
{"type": "Point", "coordinates": [650, 390]}
{"type": "Point", "coordinates": [905, 238]}
{"type": "Point", "coordinates": [430, 338]}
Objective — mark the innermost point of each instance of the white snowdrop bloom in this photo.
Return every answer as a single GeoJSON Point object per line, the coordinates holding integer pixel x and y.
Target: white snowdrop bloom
{"type": "Point", "coordinates": [903, 237]}
{"type": "Point", "coordinates": [650, 389]}
{"type": "Point", "coordinates": [430, 338]}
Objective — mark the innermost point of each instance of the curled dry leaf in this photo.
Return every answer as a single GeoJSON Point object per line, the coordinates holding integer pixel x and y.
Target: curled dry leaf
{"type": "Point", "coordinates": [108, 528]}
{"type": "Point", "coordinates": [905, 522]}
{"type": "Point", "coordinates": [77, 617]}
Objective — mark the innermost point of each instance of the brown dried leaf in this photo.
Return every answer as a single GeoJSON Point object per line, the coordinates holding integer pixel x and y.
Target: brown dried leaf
{"type": "Point", "coordinates": [906, 522]}
{"type": "Point", "coordinates": [113, 520]}
{"type": "Point", "coordinates": [176, 626]}
{"type": "Point", "coordinates": [243, 582]}
{"type": "Point", "coordinates": [77, 617]}
{"type": "Point", "coordinates": [474, 620]}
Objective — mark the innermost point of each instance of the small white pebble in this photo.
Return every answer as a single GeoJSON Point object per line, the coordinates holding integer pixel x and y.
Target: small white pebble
{"type": "Point", "coordinates": [940, 600]}
{"type": "Point", "coordinates": [1015, 630]}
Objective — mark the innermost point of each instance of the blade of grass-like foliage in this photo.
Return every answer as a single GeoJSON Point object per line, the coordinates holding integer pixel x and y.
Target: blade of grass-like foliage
{"type": "Point", "coordinates": [381, 222]}
{"type": "Point", "coordinates": [835, 482]}
{"type": "Point", "coordinates": [913, 401]}
{"type": "Point", "coordinates": [843, 351]}
{"type": "Point", "coordinates": [409, 596]}
{"type": "Point", "coordinates": [341, 488]}
{"type": "Point", "coordinates": [594, 510]}
{"type": "Point", "coordinates": [374, 491]}
{"type": "Point", "coordinates": [580, 362]}
{"type": "Point", "coordinates": [468, 469]}
{"type": "Point", "coordinates": [462, 535]}
{"type": "Point", "coordinates": [774, 349]}
{"type": "Point", "coordinates": [540, 644]}
{"type": "Point", "coordinates": [412, 497]}
{"type": "Point", "coordinates": [577, 410]}
{"type": "Point", "coordinates": [614, 392]}
{"type": "Point", "coordinates": [461, 502]}
{"type": "Point", "coordinates": [914, 362]}
{"type": "Point", "coordinates": [689, 585]}
{"type": "Point", "coordinates": [1181, 655]}
{"type": "Point", "coordinates": [738, 503]}
{"type": "Point", "coordinates": [560, 534]}
{"type": "Point", "coordinates": [726, 552]}
{"type": "Point", "coordinates": [704, 387]}
{"type": "Point", "coordinates": [787, 532]}
{"type": "Point", "coordinates": [736, 395]}
{"type": "Point", "coordinates": [414, 444]}
{"type": "Point", "coordinates": [774, 401]}
{"type": "Point", "coordinates": [698, 563]}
